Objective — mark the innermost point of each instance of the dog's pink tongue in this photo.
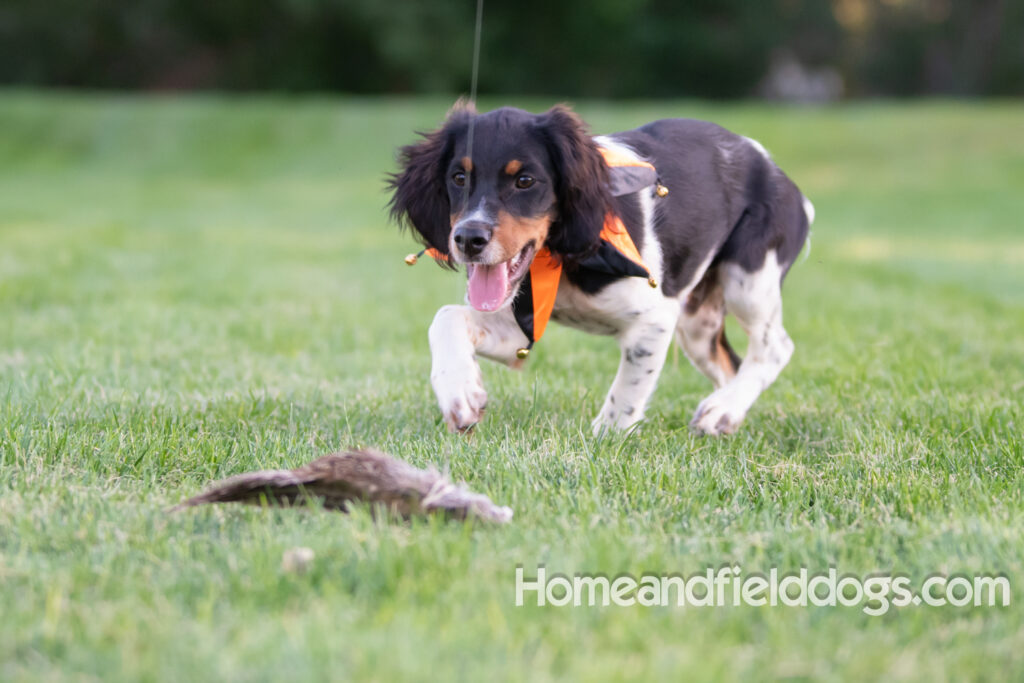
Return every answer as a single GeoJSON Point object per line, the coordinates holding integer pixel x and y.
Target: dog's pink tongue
{"type": "Point", "coordinates": [488, 286]}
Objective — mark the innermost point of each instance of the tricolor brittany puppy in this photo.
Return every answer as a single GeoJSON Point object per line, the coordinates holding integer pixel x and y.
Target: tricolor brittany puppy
{"type": "Point", "coordinates": [644, 235]}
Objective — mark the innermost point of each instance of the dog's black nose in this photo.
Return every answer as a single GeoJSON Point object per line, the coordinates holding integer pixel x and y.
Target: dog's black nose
{"type": "Point", "coordinates": [472, 238]}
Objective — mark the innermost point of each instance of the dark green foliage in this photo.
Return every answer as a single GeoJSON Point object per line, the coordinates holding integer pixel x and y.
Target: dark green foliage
{"type": "Point", "coordinates": [570, 48]}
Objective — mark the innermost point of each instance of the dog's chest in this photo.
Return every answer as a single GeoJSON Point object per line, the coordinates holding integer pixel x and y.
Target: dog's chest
{"type": "Point", "coordinates": [608, 311]}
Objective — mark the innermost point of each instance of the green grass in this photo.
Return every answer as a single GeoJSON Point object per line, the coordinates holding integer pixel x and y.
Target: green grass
{"type": "Point", "coordinates": [192, 288]}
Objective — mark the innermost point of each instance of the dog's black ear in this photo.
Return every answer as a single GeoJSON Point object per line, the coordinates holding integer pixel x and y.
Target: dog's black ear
{"type": "Point", "coordinates": [420, 194]}
{"type": "Point", "coordinates": [581, 185]}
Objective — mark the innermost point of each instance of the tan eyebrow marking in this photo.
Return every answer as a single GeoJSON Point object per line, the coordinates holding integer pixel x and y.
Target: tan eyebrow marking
{"type": "Point", "coordinates": [513, 167]}
{"type": "Point", "coordinates": [467, 164]}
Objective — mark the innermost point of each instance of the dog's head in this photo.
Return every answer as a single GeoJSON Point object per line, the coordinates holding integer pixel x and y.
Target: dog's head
{"type": "Point", "coordinates": [529, 181]}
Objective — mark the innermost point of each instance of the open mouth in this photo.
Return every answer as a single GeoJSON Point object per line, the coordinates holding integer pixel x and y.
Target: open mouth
{"type": "Point", "coordinates": [490, 286]}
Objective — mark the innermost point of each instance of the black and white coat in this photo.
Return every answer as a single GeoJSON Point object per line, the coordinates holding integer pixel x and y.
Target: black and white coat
{"type": "Point", "coordinates": [720, 242]}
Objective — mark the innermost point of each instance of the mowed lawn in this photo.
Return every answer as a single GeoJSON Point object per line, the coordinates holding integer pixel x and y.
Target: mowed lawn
{"type": "Point", "coordinates": [192, 288]}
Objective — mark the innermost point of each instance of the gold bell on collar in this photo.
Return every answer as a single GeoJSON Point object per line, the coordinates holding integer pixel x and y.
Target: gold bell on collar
{"type": "Point", "coordinates": [661, 190]}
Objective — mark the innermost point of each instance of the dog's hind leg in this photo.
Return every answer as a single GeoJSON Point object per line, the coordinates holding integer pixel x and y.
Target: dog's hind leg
{"type": "Point", "coordinates": [457, 335]}
{"type": "Point", "coordinates": [755, 298]}
{"type": "Point", "coordinates": [701, 330]}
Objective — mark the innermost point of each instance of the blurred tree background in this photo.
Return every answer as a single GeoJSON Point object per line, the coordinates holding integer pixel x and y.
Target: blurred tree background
{"type": "Point", "coordinates": [792, 49]}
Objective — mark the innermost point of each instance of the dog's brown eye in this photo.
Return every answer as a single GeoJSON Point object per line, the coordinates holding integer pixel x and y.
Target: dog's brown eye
{"type": "Point", "coordinates": [524, 181]}
{"type": "Point", "coordinates": [459, 178]}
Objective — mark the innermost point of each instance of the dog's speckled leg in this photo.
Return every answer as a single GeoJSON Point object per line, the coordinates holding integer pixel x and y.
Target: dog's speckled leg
{"type": "Point", "coordinates": [756, 301]}
{"type": "Point", "coordinates": [644, 345]}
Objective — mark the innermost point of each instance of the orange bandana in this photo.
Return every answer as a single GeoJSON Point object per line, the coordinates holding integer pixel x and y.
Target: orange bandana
{"type": "Point", "coordinates": [546, 272]}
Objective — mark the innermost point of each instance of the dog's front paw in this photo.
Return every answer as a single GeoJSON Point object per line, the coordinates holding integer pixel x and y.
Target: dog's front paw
{"type": "Point", "coordinates": [461, 396]}
{"type": "Point", "coordinates": [717, 414]}
{"type": "Point", "coordinates": [612, 420]}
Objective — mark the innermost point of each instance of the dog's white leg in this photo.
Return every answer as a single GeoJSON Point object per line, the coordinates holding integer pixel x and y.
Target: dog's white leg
{"type": "Point", "coordinates": [756, 301]}
{"type": "Point", "coordinates": [644, 345]}
{"type": "Point", "coordinates": [457, 335]}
